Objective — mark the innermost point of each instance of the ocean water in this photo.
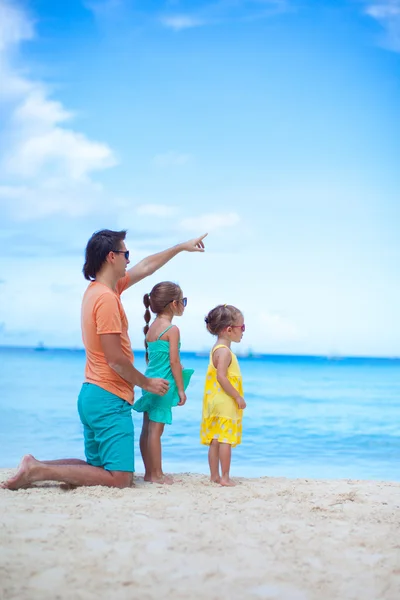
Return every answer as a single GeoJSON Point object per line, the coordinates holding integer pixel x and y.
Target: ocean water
{"type": "Point", "coordinates": [306, 417]}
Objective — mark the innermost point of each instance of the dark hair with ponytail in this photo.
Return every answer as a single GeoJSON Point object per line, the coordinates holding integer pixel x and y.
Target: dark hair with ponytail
{"type": "Point", "coordinates": [147, 317]}
{"type": "Point", "coordinates": [221, 317]}
{"type": "Point", "coordinates": [157, 301]}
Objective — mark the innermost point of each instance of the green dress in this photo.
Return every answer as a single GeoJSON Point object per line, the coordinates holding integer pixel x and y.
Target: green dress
{"type": "Point", "coordinates": [159, 407]}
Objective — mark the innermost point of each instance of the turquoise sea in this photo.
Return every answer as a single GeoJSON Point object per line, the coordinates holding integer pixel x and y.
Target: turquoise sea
{"type": "Point", "coordinates": [306, 417]}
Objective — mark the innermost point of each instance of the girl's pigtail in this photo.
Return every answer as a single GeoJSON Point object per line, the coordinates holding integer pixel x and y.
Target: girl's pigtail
{"type": "Point", "coordinates": [147, 317]}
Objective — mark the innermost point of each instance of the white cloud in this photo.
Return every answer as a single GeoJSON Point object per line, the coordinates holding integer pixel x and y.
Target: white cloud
{"type": "Point", "coordinates": [222, 10]}
{"type": "Point", "coordinates": [14, 25]}
{"type": "Point", "coordinates": [103, 8]}
{"type": "Point", "coordinates": [179, 22]}
{"type": "Point", "coordinates": [385, 9]}
{"type": "Point", "coordinates": [387, 13]}
{"type": "Point", "coordinates": [9, 192]}
{"type": "Point", "coordinates": [53, 196]}
{"type": "Point", "coordinates": [156, 210]}
{"type": "Point", "coordinates": [210, 222]}
{"type": "Point", "coordinates": [67, 153]}
{"type": "Point", "coordinates": [171, 159]}
{"type": "Point", "coordinates": [47, 167]}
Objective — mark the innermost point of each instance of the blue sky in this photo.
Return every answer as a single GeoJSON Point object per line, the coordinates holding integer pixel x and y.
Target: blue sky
{"type": "Point", "coordinates": [271, 124]}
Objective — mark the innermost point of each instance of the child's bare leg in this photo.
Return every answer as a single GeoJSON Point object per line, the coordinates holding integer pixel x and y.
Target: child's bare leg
{"type": "Point", "coordinates": [154, 447]}
{"type": "Point", "coordinates": [144, 447]}
{"type": "Point", "coordinates": [225, 452]}
{"type": "Point", "coordinates": [213, 461]}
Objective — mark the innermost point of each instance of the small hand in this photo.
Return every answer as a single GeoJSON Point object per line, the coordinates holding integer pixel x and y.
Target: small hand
{"type": "Point", "coordinates": [195, 245]}
{"type": "Point", "coordinates": [241, 403]}
{"type": "Point", "coordinates": [157, 386]}
{"type": "Point", "coordinates": [182, 398]}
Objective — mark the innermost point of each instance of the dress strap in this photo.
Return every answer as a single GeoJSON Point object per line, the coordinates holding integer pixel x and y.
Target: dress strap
{"type": "Point", "coordinates": [165, 331]}
{"type": "Point", "coordinates": [220, 346]}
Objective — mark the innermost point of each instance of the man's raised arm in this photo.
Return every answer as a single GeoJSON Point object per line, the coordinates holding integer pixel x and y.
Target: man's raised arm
{"type": "Point", "coordinates": [152, 263]}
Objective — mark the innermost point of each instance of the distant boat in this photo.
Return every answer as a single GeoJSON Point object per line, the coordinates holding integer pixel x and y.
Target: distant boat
{"type": "Point", "coordinates": [245, 354]}
{"type": "Point", "coordinates": [40, 347]}
{"type": "Point", "coordinates": [248, 354]}
{"type": "Point", "coordinates": [334, 357]}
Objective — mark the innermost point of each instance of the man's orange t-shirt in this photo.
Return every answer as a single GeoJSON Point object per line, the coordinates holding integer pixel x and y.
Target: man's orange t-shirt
{"type": "Point", "coordinates": [102, 312]}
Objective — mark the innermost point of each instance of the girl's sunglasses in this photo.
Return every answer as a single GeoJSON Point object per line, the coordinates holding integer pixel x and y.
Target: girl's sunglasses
{"type": "Point", "coordinates": [183, 300]}
{"type": "Point", "coordinates": [242, 327]}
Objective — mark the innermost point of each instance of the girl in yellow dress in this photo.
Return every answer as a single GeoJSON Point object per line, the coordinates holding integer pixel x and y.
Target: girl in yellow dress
{"type": "Point", "coordinates": [223, 402]}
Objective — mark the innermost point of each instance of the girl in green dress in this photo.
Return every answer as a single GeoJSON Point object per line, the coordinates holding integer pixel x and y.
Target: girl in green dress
{"type": "Point", "coordinates": [162, 342]}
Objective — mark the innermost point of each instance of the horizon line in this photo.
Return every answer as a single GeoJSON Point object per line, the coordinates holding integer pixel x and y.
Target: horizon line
{"type": "Point", "coordinates": [203, 353]}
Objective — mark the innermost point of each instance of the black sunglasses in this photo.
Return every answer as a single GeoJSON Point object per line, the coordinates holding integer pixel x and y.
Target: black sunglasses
{"type": "Point", "coordinates": [124, 252]}
{"type": "Point", "coordinates": [183, 300]}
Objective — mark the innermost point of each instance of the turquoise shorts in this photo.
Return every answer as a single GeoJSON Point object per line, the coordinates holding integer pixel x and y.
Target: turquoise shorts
{"type": "Point", "coordinates": [107, 428]}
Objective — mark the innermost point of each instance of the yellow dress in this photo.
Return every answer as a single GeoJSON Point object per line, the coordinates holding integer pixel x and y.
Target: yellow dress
{"type": "Point", "coordinates": [222, 418]}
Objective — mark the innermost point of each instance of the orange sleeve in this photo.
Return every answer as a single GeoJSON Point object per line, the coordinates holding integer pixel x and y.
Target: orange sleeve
{"type": "Point", "coordinates": [122, 284]}
{"type": "Point", "coordinates": [107, 315]}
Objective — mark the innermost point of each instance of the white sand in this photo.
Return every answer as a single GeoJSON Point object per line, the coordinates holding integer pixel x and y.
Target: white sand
{"type": "Point", "coordinates": [266, 538]}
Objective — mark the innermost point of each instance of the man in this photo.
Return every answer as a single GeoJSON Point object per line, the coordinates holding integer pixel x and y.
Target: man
{"type": "Point", "coordinates": [106, 397]}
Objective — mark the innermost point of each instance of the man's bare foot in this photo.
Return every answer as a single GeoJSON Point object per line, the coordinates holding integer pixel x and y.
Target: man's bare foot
{"type": "Point", "coordinates": [147, 477]}
{"type": "Point", "coordinates": [227, 481]}
{"type": "Point", "coordinates": [23, 476]}
{"type": "Point", "coordinates": [215, 479]}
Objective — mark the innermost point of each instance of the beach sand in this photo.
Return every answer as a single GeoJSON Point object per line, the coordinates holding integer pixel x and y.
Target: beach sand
{"type": "Point", "coordinates": [269, 538]}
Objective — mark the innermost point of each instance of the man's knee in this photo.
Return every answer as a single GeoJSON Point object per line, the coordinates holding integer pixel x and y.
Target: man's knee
{"type": "Point", "coordinates": [122, 479]}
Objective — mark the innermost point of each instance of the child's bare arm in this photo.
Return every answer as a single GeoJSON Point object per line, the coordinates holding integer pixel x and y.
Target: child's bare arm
{"type": "Point", "coordinates": [222, 359]}
{"type": "Point", "coordinates": [175, 361]}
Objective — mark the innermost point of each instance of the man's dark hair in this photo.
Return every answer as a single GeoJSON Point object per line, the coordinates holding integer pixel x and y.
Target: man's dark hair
{"type": "Point", "coordinates": [97, 249]}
